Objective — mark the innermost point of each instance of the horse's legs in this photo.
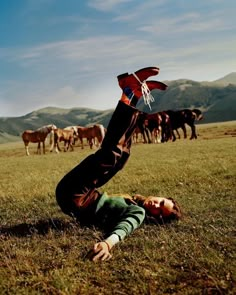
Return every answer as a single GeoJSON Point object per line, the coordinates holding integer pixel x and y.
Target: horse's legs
{"type": "Point", "coordinates": [173, 135]}
{"type": "Point", "coordinates": [177, 131]}
{"type": "Point", "coordinates": [82, 143]}
{"type": "Point", "coordinates": [91, 143]}
{"type": "Point", "coordinates": [44, 147]}
{"type": "Point", "coordinates": [167, 132]}
{"type": "Point", "coordinates": [163, 134]}
{"type": "Point", "coordinates": [154, 136]}
{"type": "Point", "coordinates": [68, 143]}
{"type": "Point", "coordinates": [27, 148]}
{"type": "Point", "coordinates": [158, 134]}
{"type": "Point", "coordinates": [135, 137]}
{"type": "Point", "coordinates": [71, 144]}
{"type": "Point", "coordinates": [193, 135]}
{"type": "Point", "coordinates": [57, 149]}
{"type": "Point", "coordinates": [51, 143]}
{"type": "Point", "coordinates": [51, 147]}
{"type": "Point", "coordinates": [97, 141]}
{"type": "Point", "coordinates": [146, 135]}
{"type": "Point", "coordinates": [184, 131]}
{"type": "Point", "coordinates": [39, 148]}
{"type": "Point", "coordinates": [56, 145]}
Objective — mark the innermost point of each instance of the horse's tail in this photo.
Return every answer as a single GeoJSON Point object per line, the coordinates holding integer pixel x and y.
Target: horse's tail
{"type": "Point", "coordinates": [102, 131]}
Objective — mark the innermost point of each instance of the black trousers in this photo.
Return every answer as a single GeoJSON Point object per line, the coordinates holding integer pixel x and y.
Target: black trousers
{"type": "Point", "coordinates": [77, 191]}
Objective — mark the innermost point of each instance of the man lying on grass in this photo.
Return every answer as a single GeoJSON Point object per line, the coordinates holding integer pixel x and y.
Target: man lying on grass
{"type": "Point", "coordinates": [77, 193]}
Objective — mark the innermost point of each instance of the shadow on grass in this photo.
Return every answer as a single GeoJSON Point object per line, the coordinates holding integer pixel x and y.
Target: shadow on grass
{"type": "Point", "coordinates": [41, 227]}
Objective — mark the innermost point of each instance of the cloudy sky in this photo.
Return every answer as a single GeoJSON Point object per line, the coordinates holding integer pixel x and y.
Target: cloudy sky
{"type": "Point", "coordinates": [67, 53]}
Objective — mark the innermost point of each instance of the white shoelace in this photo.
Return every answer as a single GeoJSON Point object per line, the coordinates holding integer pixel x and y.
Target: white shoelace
{"type": "Point", "coordinates": [147, 96]}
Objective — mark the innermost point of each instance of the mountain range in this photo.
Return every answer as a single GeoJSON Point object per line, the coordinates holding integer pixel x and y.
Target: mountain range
{"type": "Point", "coordinates": [217, 101]}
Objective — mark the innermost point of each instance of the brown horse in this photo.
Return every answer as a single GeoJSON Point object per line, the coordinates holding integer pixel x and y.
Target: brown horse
{"type": "Point", "coordinates": [63, 135]}
{"type": "Point", "coordinates": [91, 133]}
{"type": "Point", "coordinates": [37, 136]}
{"type": "Point", "coordinates": [150, 127]}
{"type": "Point", "coordinates": [75, 129]}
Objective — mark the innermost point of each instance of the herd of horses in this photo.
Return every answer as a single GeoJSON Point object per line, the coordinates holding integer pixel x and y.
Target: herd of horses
{"type": "Point", "coordinates": [163, 126]}
{"type": "Point", "coordinates": [93, 134]}
{"type": "Point", "coordinates": [156, 127]}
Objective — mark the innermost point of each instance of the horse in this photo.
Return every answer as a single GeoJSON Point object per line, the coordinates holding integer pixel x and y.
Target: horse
{"type": "Point", "coordinates": [150, 127]}
{"type": "Point", "coordinates": [186, 116]}
{"type": "Point", "coordinates": [75, 129]}
{"type": "Point", "coordinates": [63, 135]}
{"type": "Point", "coordinates": [166, 129]}
{"type": "Point", "coordinates": [37, 136]}
{"type": "Point", "coordinates": [91, 133]}
{"type": "Point", "coordinates": [141, 125]}
{"type": "Point", "coordinates": [137, 135]}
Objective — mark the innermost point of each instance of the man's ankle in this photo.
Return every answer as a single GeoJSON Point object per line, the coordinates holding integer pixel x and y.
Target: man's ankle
{"type": "Point", "coordinates": [132, 101]}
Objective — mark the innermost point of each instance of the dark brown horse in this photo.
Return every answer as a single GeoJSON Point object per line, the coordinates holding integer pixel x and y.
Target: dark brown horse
{"type": "Point", "coordinates": [186, 116]}
{"type": "Point", "coordinates": [37, 136]}
{"type": "Point", "coordinates": [150, 127]}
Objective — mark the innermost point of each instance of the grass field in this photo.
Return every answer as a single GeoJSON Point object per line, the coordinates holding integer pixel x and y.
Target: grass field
{"type": "Point", "coordinates": [42, 251]}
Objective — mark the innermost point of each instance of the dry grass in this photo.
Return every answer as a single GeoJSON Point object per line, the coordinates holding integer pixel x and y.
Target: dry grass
{"type": "Point", "coordinates": [43, 251]}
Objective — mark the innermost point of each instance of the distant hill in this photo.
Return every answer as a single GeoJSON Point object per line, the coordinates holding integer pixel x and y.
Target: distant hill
{"type": "Point", "coordinates": [228, 79]}
{"type": "Point", "coordinates": [217, 100]}
{"type": "Point", "coordinates": [60, 117]}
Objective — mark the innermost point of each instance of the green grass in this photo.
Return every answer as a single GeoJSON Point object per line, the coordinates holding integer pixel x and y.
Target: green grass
{"type": "Point", "coordinates": [42, 251]}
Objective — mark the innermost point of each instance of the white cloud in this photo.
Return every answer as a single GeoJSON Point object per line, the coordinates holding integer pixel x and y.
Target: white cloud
{"type": "Point", "coordinates": [80, 68]}
{"type": "Point", "coordinates": [188, 23]}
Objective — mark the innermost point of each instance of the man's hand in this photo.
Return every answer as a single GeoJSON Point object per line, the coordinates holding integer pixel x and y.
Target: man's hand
{"type": "Point", "coordinates": [101, 252]}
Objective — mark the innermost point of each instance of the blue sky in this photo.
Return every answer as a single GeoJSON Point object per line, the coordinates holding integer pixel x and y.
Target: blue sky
{"type": "Point", "coordinates": [67, 53]}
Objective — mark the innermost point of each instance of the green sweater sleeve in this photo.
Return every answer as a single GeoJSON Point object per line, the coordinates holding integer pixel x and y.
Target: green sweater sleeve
{"type": "Point", "coordinates": [119, 217]}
